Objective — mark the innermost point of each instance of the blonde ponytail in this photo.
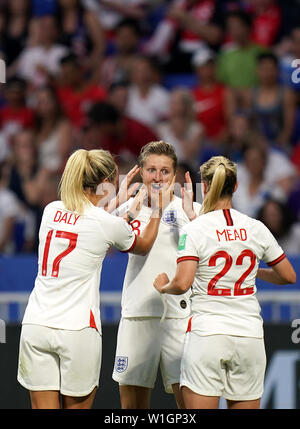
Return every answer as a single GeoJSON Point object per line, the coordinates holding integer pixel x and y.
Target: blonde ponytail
{"type": "Point", "coordinates": [85, 169]}
{"type": "Point", "coordinates": [219, 173]}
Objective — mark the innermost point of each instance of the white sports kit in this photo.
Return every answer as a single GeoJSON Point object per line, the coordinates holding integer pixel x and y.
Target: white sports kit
{"type": "Point", "coordinates": [66, 297]}
{"type": "Point", "coordinates": [143, 341]}
{"type": "Point", "coordinates": [224, 349]}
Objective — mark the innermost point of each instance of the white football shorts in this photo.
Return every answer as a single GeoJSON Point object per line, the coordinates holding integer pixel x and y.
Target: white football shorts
{"type": "Point", "coordinates": [224, 365]}
{"type": "Point", "coordinates": [144, 344]}
{"type": "Point", "coordinates": [59, 359]}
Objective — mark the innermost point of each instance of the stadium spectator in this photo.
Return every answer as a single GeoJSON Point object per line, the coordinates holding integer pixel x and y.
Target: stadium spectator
{"type": "Point", "coordinates": [239, 134]}
{"type": "Point", "coordinates": [224, 351]}
{"type": "Point", "coordinates": [272, 105]}
{"type": "Point", "coordinates": [15, 114]}
{"type": "Point", "coordinates": [118, 65]}
{"type": "Point", "coordinates": [15, 19]}
{"type": "Point", "coordinates": [181, 128]}
{"type": "Point", "coordinates": [54, 133]}
{"type": "Point", "coordinates": [266, 21]}
{"type": "Point", "coordinates": [39, 64]}
{"type": "Point", "coordinates": [148, 100]}
{"type": "Point", "coordinates": [108, 129]}
{"type": "Point", "coordinates": [9, 213]}
{"type": "Point", "coordinates": [282, 224]}
{"type": "Point", "coordinates": [262, 173]}
{"type": "Point", "coordinates": [111, 12]}
{"type": "Point", "coordinates": [80, 31]}
{"type": "Point", "coordinates": [75, 91]}
{"type": "Point", "coordinates": [236, 62]}
{"type": "Point", "coordinates": [188, 26]}
{"type": "Point", "coordinates": [210, 97]}
{"type": "Point", "coordinates": [28, 182]}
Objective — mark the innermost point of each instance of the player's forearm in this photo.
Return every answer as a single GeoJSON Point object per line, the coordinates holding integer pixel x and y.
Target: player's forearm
{"type": "Point", "coordinates": [146, 239]}
{"type": "Point", "coordinates": [175, 287]}
{"type": "Point", "coordinates": [270, 276]}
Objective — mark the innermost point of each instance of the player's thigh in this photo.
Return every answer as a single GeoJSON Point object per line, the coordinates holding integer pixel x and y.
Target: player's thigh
{"type": "Point", "coordinates": [172, 342]}
{"type": "Point", "coordinates": [201, 371]}
{"type": "Point", "coordinates": [138, 352]}
{"type": "Point", "coordinates": [135, 397]}
{"type": "Point", "coordinates": [245, 370]}
{"type": "Point", "coordinates": [38, 364]}
{"type": "Point", "coordinates": [82, 402]}
{"type": "Point", "coordinates": [80, 355]}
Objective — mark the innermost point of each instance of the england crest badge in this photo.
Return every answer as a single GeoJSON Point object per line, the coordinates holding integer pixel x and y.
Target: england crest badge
{"type": "Point", "coordinates": [170, 216]}
{"type": "Point", "coordinates": [121, 363]}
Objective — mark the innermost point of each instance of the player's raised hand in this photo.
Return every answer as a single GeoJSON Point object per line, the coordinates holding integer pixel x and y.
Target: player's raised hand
{"type": "Point", "coordinates": [125, 190]}
{"type": "Point", "coordinates": [161, 199]}
{"type": "Point", "coordinates": [188, 197]}
{"type": "Point", "coordinates": [160, 281]}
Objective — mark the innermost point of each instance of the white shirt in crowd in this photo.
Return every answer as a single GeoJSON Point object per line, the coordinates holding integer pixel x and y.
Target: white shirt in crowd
{"type": "Point", "coordinates": [9, 208]}
{"type": "Point", "coordinates": [71, 251]}
{"type": "Point", "coordinates": [150, 109]}
{"type": "Point", "coordinates": [228, 247]}
{"type": "Point", "coordinates": [278, 167]}
{"type": "Point", "coordinates": [139, 297]}
{"type": "Point", "coordinates": [33, 57]}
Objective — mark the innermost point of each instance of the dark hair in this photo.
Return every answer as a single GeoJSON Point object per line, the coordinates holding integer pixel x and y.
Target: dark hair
{"type": "Point", "coordinates": [244, 17]}
{"type": "Point", "coordinates": [70, 58]}
{"type": "Point", "coordinates": [267, 56]}
{"type": "Point", "coordinates": [103, 112]}
{"type": "Point", "coordinates": [16, 82]}
{"type": "Point", "coordinates": [131, 23]}
{"type": "Point", "coordinates": [287, 217]}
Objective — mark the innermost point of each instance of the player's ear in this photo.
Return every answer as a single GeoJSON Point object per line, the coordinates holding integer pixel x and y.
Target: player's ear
{"type": "Point", "coordinates": [236, 186]}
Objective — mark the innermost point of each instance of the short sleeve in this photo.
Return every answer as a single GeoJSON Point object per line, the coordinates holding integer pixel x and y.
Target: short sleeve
{"type": "Point", "coordinates": [273, 253]}
{"type": "Point", "coordinates": [123, 237]}
{"type": "Point", "coordinates": [186, 250]}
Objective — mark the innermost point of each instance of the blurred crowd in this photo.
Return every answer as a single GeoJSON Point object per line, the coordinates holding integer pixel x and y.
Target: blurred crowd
{"type": "Point", "coordinates": [208, 76]}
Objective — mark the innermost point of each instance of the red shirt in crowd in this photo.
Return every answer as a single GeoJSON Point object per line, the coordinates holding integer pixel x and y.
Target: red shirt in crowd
{"type": "Point", "coordinates": [209, 106]}
{"type": "Point", "coordinates": [75, 105]}
{"type": "Point", "coordinates": [22, 117]}
{"type": "Point", "coordinates": [131, 137]}
{"type": "Point", "coordinates": [265, 25]}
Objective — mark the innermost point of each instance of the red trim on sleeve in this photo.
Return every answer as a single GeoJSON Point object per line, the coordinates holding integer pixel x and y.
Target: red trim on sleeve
{"type": "Point", "coordinates": [92, 320]}
{"type": "Point", "coordinates": [276, 261]}
{"type": "Point", "coordinates": [228, 217]}
{"type": "Point", "coordinates": [132, 246]}
{"type": "Point", "coordinates": [189, 326]}
{"type": "Point", "coordinates": [187, 258]}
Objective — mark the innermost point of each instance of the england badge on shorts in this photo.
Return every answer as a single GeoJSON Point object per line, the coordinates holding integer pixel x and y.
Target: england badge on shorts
{"type": "Point", "coordinates": [121, 363]}
{"type": "Point", "coordinates": [170, 216]}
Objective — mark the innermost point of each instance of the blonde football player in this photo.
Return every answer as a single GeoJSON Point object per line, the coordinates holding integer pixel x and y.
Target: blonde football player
{"type": "Point", "coordinates": [60, 345]}
{"type": "Point", "coordinates": [151, 332]}
{"type": "Point", "coordinates": [219, 255]}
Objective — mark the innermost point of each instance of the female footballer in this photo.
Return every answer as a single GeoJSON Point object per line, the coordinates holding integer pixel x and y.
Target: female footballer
{"type": "Point", "coordinates": [218, 255]}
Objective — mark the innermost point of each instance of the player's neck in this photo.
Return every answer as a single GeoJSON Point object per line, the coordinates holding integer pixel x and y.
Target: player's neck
{"type": "Point", "coordinates": [224, 204]}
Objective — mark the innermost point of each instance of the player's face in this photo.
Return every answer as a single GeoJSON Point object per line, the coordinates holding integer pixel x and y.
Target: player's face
{"type": "Point", "coordinates": [157, 170]}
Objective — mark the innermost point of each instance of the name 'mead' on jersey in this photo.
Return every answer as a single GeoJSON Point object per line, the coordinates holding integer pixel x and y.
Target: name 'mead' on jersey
{"type": "Point", "coordinates": [228, 246]}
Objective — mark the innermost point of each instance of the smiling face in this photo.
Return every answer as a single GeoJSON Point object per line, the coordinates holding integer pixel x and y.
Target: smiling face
{"type": "Point", "coordinates": [156, 171]}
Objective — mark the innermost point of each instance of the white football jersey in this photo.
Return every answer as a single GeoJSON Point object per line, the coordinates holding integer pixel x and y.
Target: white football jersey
{"type": "Point", "coordinates": [228, 247]}
{"type": "Point", "coordinates": [70, 256]}
{"type": "Point", "coordinates": [139, 297]}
